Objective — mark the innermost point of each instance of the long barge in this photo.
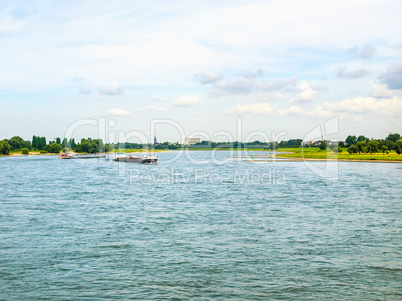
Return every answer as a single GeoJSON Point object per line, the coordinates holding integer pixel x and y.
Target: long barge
{"type": "Point", "coordinates": [81, 156]}
{"type": "Point", "coordinates": [130, 158]}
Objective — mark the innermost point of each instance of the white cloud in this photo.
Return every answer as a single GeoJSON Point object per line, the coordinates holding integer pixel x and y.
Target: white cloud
{"type": "Point", "coordinates": [382, 91]}
{"type": "Point", "coordinates": [152, 109]}
{"type": "Point", "coordinates": [293, 110]}
{"type": "Point", "coordinates": [365, 51]}
{"type": "Point", "coordinates": [252, 73]}
{"type": "Point", "coordinates": [243, 85]}
{"type": "Point", "coordinates": [186, 44]}
{"type": "Point", "coordinates": [269, 97]}
{"type": "Point", "coordinates": [112, 88]}
{"type": "Point", "coordinates": [305, 95]}
{"type": "Point", "coordinates": [353, 105]}
{"type": "Point", "coordinates": [342, 72]}
{"type": "Point", "coordinates": [388, 107]}
{"type": "Point", "coordinates": [351, 108]}
{"type": "Point", "coordinates": [278, 84]}
{"type": "Point", "coordinates": [118, 112]}
{"type": "Point", "coordinates": [187, 101]}
{"type": "Point", "coordinates": [208, 78]}
{"type": "Point", "coordinates": [240, 85]}
{"type": "Point", "coordinates": [172, 41]}
{"type": "Point", "coordinates": [261, 108]}
{"type": "Point", "coordinates": [320, 112]}
{"type": "Point", "coordinates": [157, 98]}
{"type": "Point", "coordinates": [319, 87]}
{"type": "Point", "coordinates": [393, 76]}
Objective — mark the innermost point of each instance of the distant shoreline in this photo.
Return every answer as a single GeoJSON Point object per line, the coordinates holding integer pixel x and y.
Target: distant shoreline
{"type": "Point", "coordinates": [337, 160]}
{"type": "Point", "coordinates": [37, 153]}
{"type": "Point", "coordinates": [286, 154]}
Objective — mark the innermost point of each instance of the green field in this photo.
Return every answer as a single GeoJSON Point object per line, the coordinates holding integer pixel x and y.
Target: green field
{"type": "Point", "coordinates": [316, 153]}
{"type": "Point", "coordinates": [308, 153]}
{"type": "Point", "coordinates": [224, 149]}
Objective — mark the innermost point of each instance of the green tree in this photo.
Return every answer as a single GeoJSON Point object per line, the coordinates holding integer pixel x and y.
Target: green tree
{"type": "Point", "coordinates": [283, 144]}
{"type": "Point", "coordinates": [5, 148]}
{"type": "Point", "coordinates": [78, 148]}
{"type": "Point", "coordinates": [34, 142]}
{"type": "Point", "coordinates": [64, 143]}
{"type": "Point", "coordinates": [53, 148]}
{"type": "Point", "coordinates": [273, 145]}
{"type": "Point", "coordinates": [362, 138]}
{"type": "Point", "coordinates": [384, 149]}
{"type": "Point", "coordinates": [85, 145]}
{"type": "Point", "coordinates": [58, 141]}
{"type": "Point", "coordinates": [373, 146]}
{"type": "Point", "coordinates": [16, 142]}
{"type": "Point", "coordinates": [361, 146]}
{"type": "Point", "coordinates": [323, 145]}
{"type": "Point", "coordinates": [393, 137]}
{"type": "Point", "coordinates": [109, 148]}
{"type": "Point", "coordinates": [352, 149]}
{"type": "Point", "coordinates": [351, 140]}
{"type": "Point", "coordinates": [93, 148]}
{"type": "Point", "coordinates": [89, 146]}
{"type": "Point", "coordinates": [388, 143]}
{"type": "Point", "coordinates": [100, 146]}
{"type": "Point", "coordinates": [41, 143]}
{"type": "Point", "coordinates": [398, 147]}
{"type": "Point", "coordinates": [25, 151]}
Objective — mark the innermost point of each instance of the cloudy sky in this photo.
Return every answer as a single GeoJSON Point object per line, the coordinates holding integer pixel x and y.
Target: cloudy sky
{"type": "Point", "coordinates": [281, 66]}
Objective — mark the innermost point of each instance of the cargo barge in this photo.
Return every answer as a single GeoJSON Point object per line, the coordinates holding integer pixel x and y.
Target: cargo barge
{"type": "Point", "coordinates": [130, 158]}
{"type": "Point", "coordinates": [81, 156]}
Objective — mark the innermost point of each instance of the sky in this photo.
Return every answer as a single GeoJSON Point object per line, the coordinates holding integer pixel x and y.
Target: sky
{"type": "Point", "coordinates": [200, 68]}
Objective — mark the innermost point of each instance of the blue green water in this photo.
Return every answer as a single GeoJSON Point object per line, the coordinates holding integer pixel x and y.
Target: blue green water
{"type": "Point", "coordinates": [99, 229]}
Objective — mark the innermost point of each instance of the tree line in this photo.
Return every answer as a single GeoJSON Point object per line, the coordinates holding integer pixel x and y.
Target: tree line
{"type": "Point", "coordinates": [365, 145]}
{"type": "Point", "coordinates": [40, 144]}
{"type": "Point", "coordinates": [360, 144]}
{"type": "Point", "coordinates": [252, 144]}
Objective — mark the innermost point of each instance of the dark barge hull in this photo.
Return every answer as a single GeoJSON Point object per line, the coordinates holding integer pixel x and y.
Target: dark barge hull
{"type": "Point", "coordinates": [137, 160]}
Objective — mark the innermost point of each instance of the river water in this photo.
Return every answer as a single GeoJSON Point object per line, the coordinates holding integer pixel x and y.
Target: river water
{"type": "Point", "coordinates": [194, 228]}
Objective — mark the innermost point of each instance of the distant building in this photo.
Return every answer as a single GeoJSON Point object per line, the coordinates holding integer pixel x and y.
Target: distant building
{"type": "Point", "coordinates": [311, 143]}
{"type": "Point", "coordinates": [191, 141]}
{"type": "Point", "coordinates": [155, 141]}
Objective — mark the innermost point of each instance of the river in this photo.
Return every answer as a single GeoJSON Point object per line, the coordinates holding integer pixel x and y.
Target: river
{"type": "Point", "coordinates": [191, 227]}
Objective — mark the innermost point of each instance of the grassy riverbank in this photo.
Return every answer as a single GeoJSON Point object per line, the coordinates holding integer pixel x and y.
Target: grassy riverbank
{"type": "Point", "coordinates": [316, 153]}
{"type": "Point", "coordinates": [18, 153]}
